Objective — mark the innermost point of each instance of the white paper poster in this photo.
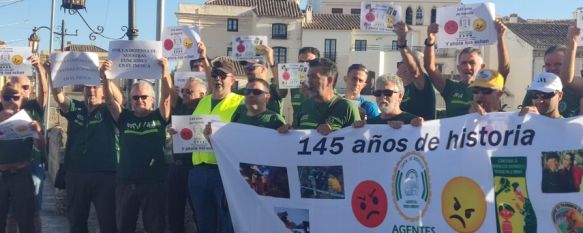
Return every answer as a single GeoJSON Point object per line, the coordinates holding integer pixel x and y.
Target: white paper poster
{"type": "Point", "coordinates": [134, 59]}
{"type": "Point", "coordinates": [579, 16]}
{"type": "Point", "coordinates": [466, 25]}
{"type": "Point", "coordinates": [180, 42]}
{"type": "Point", "coordinates": [290, 75]}
{"type": "Point", "coordinates": [74, 68]}
{"type": "Point", "coordinates": [189, 135]}
{"type": "Point", "coordinates": [14, 61]}
{"type": "Point", "coordinates": [493, 173]}
{"type": "Point", "coordinates": [180, 78]}
{"type": "Point", "coordinates": [379, 17]}
{"type": "Point", "coordinates": [17, 127]}
{"type": "Point", "coordinates": [248, 47]}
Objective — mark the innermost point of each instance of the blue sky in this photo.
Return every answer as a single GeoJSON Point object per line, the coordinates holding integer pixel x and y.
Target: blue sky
{"type": "Point", "coordinates": [20, 16]}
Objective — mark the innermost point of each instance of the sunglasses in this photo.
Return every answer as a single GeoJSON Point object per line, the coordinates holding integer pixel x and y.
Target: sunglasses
{"type": "Point", "coordinates": [484, 91]}
{"type": "Point", "coordinates": [218, 73]}
{"type": "Point", "coordinates": [25, 87]}
{"type": "Point", "coordinates": [248, 91]}
{"type": "Point", "coordinates": [543, 95]}
{"type": "Point", "coordinates": [387, 93]}
{"type": "Point", "coordinates": [11, 97]}
{"type": "Point", "coordinates": [186, 91]}
{"type": "Point", "coordinates": [138, 97]}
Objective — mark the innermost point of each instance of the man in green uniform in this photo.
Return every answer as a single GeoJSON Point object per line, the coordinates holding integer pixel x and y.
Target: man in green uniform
{"type": "Point", "coordinates": [561, 61]}
{"type": "Point", "coordinates": [487, 88]}
{"type": "Point", "coordinates": [142, 134]}
{"type": "Point", "coordinates": [546, 92]}
{"type": "Point", "coordinates": [389, 93]}
{"type": "Point", "coordinates": [298, 95]}
{"type": "Point", "coordinates": [258, 69]}
{"type": "Point", "coordinates": [256, 98]}
{"type": "Point", "coordinates": [324, 110]}
{"type": "Point", "coordinates": [457, 95]}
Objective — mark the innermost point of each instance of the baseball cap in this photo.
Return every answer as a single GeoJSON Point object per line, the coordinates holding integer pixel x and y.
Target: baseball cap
{"type": "Point", "coordinates": [546, 82]}
{"type": "Point", "coordinates": [225, 66]}
{"type": "Point", "coordinates": [488, 79]}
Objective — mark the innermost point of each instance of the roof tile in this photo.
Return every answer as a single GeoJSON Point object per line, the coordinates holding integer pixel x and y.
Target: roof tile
{"type": "Point", "coordinates": [333, 22]}
{"type": "Point", "coordinates": [541, 35]}
{"type": "Point", "coordinates": [278, 8]}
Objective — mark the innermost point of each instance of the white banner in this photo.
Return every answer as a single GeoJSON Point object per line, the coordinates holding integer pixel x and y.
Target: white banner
{"type": "Point", "coordinates": [14, 61]}
{"type": "Point", "coordinates": [189, 135]}
{"type": "Point", "coordinates": [180, 78]}
{"type": "Point", "coordinates": [16, 127]}
{"type": "Point", "coordinates": [134, 59]}
{"type": "Point", "coordinates": [466, 25]}
{"type": "Point", "coordinates": [74, 68]}
{"type": "Point", "coordinates": [465, 174]}
{"type": "Point", "coordinates": [379, 17]}
{"type": "Point", "coordinates": [290, 75]}
{"type": "Point", "coordinates": [248, 47]}
{"type": "Point", "coordinates": [180, 42]}
{"type": "Point", "coordinates": [579, 15]}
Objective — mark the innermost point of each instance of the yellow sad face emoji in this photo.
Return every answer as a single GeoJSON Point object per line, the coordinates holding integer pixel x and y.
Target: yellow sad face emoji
{"type": "Point", "coordinates": [187, 43]}
{"type": "Point", "coordinates": [17, 59]}
{"type": "Point", "coordinates": [463, 205]}
{"type": "Point", "coordinates": [479, 25]}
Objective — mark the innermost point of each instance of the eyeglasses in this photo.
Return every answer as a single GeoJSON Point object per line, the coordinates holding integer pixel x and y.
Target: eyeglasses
{"type": "Point", "coordinates": [138, 97]}
{"type": "Point", "coordinates": [186, 91]}
{"type": "Point", "coordinates": [484, 91]}
{"type": "Point", "coordinates": [218, 73]}
{"type": "Point", "coordinates": [543, 95]}
{"type": "Point", "coordinates": [248, 91]}
{"type": "Point", "coordinates": [387, 93]}
{"type": "Point", "coordinates": [25, 87]}
{"type": "Point", "coordinates": [11, 97]}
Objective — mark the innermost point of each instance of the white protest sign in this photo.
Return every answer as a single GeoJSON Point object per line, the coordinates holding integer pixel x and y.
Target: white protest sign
{"type": "Point", "coordinates": [14, 61]}
{"type": "Point", "coordinates": [17, 127]}
{"type": "Point", "coordinates": [466, 25]}
{"type": "Point", "coordinates": [189, 135]}
{"type": "Point", "coordinates": [180, 78]}
{"type": "Point", "coordinates": [493, 173]}
{"type": "Point", "coordinates": [579, 15]}
{"type": "Point", "coordinates": [132, 59]}
{"type": "Point", "coordinates": [290, 75]}
{"type": "Point", "coordinates": [379, 17]}
{"type": "Point", "coordinates": [248, 47]}
{"type": "Point", "coordinates": [74, 68]}
{"type": "Point", "coordinates": [180, 42]}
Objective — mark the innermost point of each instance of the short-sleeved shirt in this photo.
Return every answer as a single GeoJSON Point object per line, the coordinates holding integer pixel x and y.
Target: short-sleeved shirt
{"type": "Point", "coordinates": [420, 102]}
{"type": "Point", "coordinates": [141, 148]}
{"type": "Point", "coordinates": [458, 97]}
{"type": "Point", "coordinates": [568, 106]}
{"type": "Point", "coordinates": [91, 139]}
{"type": "Point", "coordinates": [338, 113]}
{"type": "Point", "coordinates": [15, 151]}
{"type": "Point", "coordinates": [370, 108]}
{"type": "Point", "coordinates": [296, 99]}
{"type": "Point", "coordinates": [267, 119]}
{"type": "Point", "coordinates": [404, 117]}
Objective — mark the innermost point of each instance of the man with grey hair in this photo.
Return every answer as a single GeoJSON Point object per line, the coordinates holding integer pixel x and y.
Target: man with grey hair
{"type": "Point", "coordinates": [141, 169]}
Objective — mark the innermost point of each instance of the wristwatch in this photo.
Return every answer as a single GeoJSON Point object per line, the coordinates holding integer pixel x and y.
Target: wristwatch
{"type": "Point", "coordinates": [402, 46]}
{"type": "Point", "coordinates": [429, 45]}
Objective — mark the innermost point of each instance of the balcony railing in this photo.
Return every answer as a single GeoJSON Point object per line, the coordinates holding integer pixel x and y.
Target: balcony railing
{"type": "Point", "coordinates": [388, 48]}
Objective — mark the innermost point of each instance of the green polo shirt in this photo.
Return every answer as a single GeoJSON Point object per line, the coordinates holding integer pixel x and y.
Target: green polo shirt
{"type": "Point", "coordinates": [458, 97]}
{"type": "Point", "coordinates": [568, 106]}
{"type": "Point", "coordinates": [91, 139]}
{"type": "Point", "coordinates": [338, 113]}
{"type": "Point", "coordinates": [404, 117]}
{"type": "Point", "coordinates": [420, 102]}
{"type": "Point", "coordinates": [267, 119]}
{"type": "Point", "coordinates": [142, 142]}
{"type": "Point", "coordinates": [15, 151]}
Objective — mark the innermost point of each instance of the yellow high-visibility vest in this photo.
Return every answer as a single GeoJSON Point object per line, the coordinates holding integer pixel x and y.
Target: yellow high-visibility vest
{"type": "Point", "coordinates": [224, 110]}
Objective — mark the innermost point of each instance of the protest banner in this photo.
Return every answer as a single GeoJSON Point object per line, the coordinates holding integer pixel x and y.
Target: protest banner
{"type": "Point", "coordinates": [248, 47]}
{"type": "Point", "coordinates": [379, 17]}
{"type": "Point", "coordinates": [189, 133]}
{"type": "Point", "coordinates": [132, 59]}
{"type": "Point", "coordinates": [74, 68]}
{"type": "Point", "coordinates": [180, 42]}
{"type": "Point", "coordinates": [464, 174]}
{"type": "Point", "coordinates": [466, 25]}
{"type": "Point", "coordinates": [180, 78]}
{"type": "Point", "coordinates": [17, 127]}
{"type": "Point", "coordinates": [579, 16]}
{"type": "Point", "coordinates": [290, 75]}
{"type": "Point", "coordinates": [14, 61]}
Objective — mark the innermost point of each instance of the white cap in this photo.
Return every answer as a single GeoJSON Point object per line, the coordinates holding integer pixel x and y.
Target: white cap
{"type": "Point", "coordinates": [546, 82]}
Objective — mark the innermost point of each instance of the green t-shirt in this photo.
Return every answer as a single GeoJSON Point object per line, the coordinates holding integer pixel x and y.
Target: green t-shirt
{"type": "Point", "coordinates": [142, 148]}
{"type": "Point", "coordinates": [267, 119]}
{"type": "Point", "coordinates": [15, 151]}
{"type": "Point", "coordinates": [458, 97]}
{"type": "Point", "coordinates": [296, 99]}
{"type": "Point", "coordinates": [338, 113]}
{"type": "Point", "coordinates": [91, 139]}
{"type": "Point", "coordinates": [420, 102]}
{"type": "Point", "coordinates": [568, 107]}
{"type": "Point", "coordinates": [404, 117]}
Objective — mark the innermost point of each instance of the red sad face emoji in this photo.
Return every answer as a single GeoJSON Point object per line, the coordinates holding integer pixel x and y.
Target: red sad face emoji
{"type": "Point", "coordinates": [451, 27]}
{"type": "Point", "coordinates": [369, 203]}
{"type": "Point", "coordinates": [186, 134]}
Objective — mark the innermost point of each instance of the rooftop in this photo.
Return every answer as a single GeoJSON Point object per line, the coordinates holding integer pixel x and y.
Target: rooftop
{"type": "Point", "coordinates": [333, 22]}
{"type": "Point", "coordinates": [84, 48]}
{"type": "Point", "coordinates": [541, 35]}
{"type": "Point", "coordinates": [276, 8]}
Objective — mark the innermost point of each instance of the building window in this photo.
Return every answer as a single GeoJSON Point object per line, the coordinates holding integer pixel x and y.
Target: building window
{"type": "Point", "coordinates": [336, 10]}
{"type": "Point", "coordinates": [279, 31]}
{"type": "Point", "coordinates": [360, 45]}
{"type": "Point", "coordinates": [439, 67]}
{"type": "Point", "coordinates": [433, 14]}
{"type": "Point", "coordinates": [280, 55]}
{"type": "Point", "coordinates": [409, 16]}
{"type": "Point", "coordinates": [229, 51]}
{"type": "Point", "coordinates": [232, 25]}
{"type": "Point", "coordinates": [355, 11]}
{"type": "Point", "coordinates": [330, 49]}
{"type": "Point", "coordinates": [419, 16]}
{"type": "Point", "coordinates": [395, 45]}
